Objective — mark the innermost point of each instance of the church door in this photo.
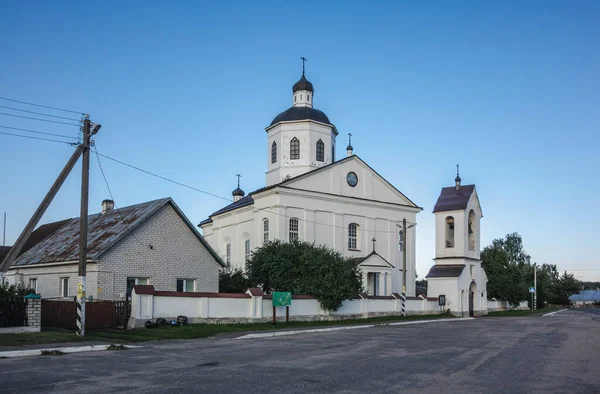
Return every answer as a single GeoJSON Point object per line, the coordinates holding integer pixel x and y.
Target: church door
{"type": "Point", "coordinates": [471, 303]}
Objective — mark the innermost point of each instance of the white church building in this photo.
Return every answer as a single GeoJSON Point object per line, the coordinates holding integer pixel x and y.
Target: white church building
{"type": "Point", "coordinates": [312, 197]}
{"type": "Point", "coordinates": [457, 273]}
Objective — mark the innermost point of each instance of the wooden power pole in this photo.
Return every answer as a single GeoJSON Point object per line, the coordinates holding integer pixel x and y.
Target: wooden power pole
{"type": "Point", "coordinates": [83, 227]}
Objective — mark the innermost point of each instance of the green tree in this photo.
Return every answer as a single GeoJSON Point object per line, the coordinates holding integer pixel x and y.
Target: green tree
{"type": "Point", "coordinates": [305, 268]}
{"type": "Point", "coordinates": [233, 281]}
{"type": "Point", "coordinates": [503, 262]}
{"type": "Point", "coordinates": [565, 287]}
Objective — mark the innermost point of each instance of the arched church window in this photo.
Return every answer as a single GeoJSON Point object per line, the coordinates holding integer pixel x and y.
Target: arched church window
{"type": "Point", "coordinates": [247, 250]}
{"type": "Point", "coordinates": [471, 230]}
{"type": "Point", "coordinates": [295, 98]}
{"type": "Point", "coordinates": [294, 149]}
{"type": "Point", "coordinates": [228, 254]}
{"type": "Point", "coordinates": [332, 153]}
{"type": "Point", "coordinates": [449, 232]}
{"type": "Point", "coordinates": [308, 97]}
{"type": "Point", "coordinates": [353, 236]}
{"type": "Point", "coordinates": [274, 152]}
{"type": "Point", "coordinates": [293, 230]}
{"type": "Point", "coordinates": [265, 231]}
{"type": "Point", "coordinates": [320, 151]}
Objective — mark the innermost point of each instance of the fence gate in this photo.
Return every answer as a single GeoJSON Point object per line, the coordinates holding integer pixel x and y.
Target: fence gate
{"type": "Point", "coordinates": [13, 313]}
{"type": "Point", "coordinates": [98, 314]}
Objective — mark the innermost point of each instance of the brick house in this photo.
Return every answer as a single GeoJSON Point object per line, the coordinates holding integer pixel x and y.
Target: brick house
{"type": "Point", "coordinates": [149, 243]}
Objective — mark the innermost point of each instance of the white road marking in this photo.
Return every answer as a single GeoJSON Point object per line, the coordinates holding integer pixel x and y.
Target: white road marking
{"type": "Point", "coordinates": [316, 330]}
{"type": "Point", "coordinates": [553, 313]}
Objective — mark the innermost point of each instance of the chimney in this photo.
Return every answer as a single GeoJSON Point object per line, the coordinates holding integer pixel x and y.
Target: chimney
{"type": "Point", "coordinates": [107, 206]}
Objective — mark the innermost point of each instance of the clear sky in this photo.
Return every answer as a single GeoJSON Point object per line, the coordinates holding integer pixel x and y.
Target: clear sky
{"type": "Point", "coordinates": [509, 90]}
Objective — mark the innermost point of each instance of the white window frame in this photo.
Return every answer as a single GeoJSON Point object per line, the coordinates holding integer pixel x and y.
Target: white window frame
{"type": "Point", "coordinates": [64, 287]}
{"type": "Point", "coordinates": [353, 236]}
{"type": "Point", "coordinates": [246, 250]}
{"type": "Point", "coordinates": [228, 254]}
{"type": "Point", "coordinates": [185, 283]}
{"type": "Point", "coordinates": [265, 230]}
{"type": "Point", "coordinates": [293, 229]}
{"type": "Point", "coordinates": [34, 287]}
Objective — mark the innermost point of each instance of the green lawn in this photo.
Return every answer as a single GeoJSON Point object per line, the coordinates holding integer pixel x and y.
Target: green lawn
{"type": "Point", "coordinates": [190, 331]}
{"type": "Point", "coordinates": [527, 312]}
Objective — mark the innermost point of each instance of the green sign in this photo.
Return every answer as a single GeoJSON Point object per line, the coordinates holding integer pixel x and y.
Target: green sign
{"type": "Point", "coordinates": [282, 298]}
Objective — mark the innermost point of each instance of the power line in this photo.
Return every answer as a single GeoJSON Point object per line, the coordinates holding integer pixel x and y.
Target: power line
{"type": "Point", "coordinates": [228, 199]}
{"type": "Point", "coordinates": [39, 138]}
{"type": "Point", "coordinates": [111, 195]}
{"type": "Point", "coordinates": [41, 120]}
{"type": "Point", "coordinates": [39, 113]}
{"type": "Point", "coordinates": [161, 177]}
{"type": "Point", "coordinates": [42, 106]}
{"type": "Point", "coordinates": [38, 132]}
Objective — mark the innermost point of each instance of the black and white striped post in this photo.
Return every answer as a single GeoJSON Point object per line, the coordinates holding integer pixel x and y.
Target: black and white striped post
{"type": "Point", "coordinates": [404, 267]}
{"type": "Point", "coordinates": [81, 306]}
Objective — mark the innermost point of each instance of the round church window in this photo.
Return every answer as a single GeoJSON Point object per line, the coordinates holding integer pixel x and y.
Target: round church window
{"type": "Point", "coordinates": [352, 179]}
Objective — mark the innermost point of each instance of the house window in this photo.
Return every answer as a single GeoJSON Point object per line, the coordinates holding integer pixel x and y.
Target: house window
{"type": "Point", "coordinates": [294, 149]}
{"type": "Point", "coordinates": [320, 151]}
{"type": "Point", "coordinates": [352, 236]}
{"type": "Point", "coordinates": [247, 250]}
{"type": "Point", "coordinates": [186, 285]}
{"type": "Point", "coordinates": [274, 152]}
{"type": "Point", "coordinates": [471, 230]}
{"type": "Point", "coordinates": [135, 281]}
{"type": "Point", "coordinates": [228, 255]}
{"type": "Point", "coordinates": [449, 232]}
{"type": "Point", "coordinates": [293, 229]}
{"type": "Point", "coordinates": [64, 287]}
{"type": "Point", "coordinates": [265, 231]}
{"type": "Point", "coordinates": [33, 284]}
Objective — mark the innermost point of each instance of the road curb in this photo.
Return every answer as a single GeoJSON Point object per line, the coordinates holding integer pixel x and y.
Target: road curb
{"type": "Point", "coordinates": [553, 313]}
{"type": "Point", "coordinates": [317, 330]}
{"type": "Point", "coordinates": [66, 350]}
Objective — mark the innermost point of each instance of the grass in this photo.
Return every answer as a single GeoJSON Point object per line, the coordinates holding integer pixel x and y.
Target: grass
{"type": "Point", "coordinates": [526, 312]}
{"type": "Point", "coordinates": [190, 331]}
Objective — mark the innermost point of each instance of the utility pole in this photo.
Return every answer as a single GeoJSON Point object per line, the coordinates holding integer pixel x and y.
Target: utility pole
{"type": "Point", "coordinates": [535, 287]}
{"type": "Point", "coordinates": [83, 227]}
{"type": "Point", "coordinates": [404, 267]}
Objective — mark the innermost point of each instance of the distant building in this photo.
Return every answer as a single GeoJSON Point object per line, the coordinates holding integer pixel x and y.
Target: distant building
{"type": "Point", "coordinates": [585, 297]}
{"type": "Point", "coordinates": [311, 196]}
{"type": "Point", "coordinates": [149, 243]}
{"type": "Point", "coordinates": [457, 272]}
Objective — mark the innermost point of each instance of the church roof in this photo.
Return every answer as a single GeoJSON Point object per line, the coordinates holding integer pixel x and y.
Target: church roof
{"type": "Point", "coordinates": [446, 271]}
{"type": "Point", "coordinates": [301, 113]}
{"type": "Point", "coordinates": [451, 199]}
{"type": "Point", "coordinates": [248, 200]}
{"type": "Point", "coordinates": [238, 192]}
{"type": "Point", "coordinates": [303, 84]}
{"type": "Point", "coordinates": [360, 260]}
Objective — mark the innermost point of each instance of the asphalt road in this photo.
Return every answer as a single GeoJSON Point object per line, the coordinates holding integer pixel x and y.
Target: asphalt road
{"type": "Point", "coordinates": [559, 353]}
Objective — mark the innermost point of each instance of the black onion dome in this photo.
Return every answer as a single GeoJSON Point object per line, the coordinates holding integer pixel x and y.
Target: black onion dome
{"type": "Point", "coordinates": [303, 84]}
{"type": "Point", "coordinates": [301, 113]}
{"type": "Point", "coordinates": [238, 192]}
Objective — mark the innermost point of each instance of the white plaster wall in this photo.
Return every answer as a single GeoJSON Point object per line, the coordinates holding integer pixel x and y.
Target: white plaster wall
{"type": "Point", "coordinates": [175, 306]}
{"type": "Point", "coordinates": [49, 278]}
{"type": "Point", "coordinates": [349, 307]}
{"type": "Point", "coordinates": [229, 307]}
{"type": "Point", "coordinates": [449, 288]}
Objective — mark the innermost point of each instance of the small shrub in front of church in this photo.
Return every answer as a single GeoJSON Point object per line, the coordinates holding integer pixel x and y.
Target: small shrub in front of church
{"type": "Point", "coordinates": [305, 268]}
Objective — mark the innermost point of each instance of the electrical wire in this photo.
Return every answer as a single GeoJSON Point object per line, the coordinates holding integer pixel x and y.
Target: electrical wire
{"type": "Point", "coordinates": [41, 120]}
{"type": "Point", "coordinates": [39, 138]}
{"type": "Point", "coordinates": [228, 199]}
{"type": "Point", "coordinates": [38, 132]}
{"type": "Point", "coordinates": [111, 196]}
{"type": "Point", "coordinates": [42, 106]}
{"type": "Point", "coordinates": [39, 113]}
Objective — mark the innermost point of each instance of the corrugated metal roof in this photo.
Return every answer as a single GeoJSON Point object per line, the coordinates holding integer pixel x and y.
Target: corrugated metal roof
{"type": "Point", "coordinates": [586, 295]}
{"type": "Point", "coordinates": [451, 199]}
{"type": "Point", "coordinates": [104, 230]}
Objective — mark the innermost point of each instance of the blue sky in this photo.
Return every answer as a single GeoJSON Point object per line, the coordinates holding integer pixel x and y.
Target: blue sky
{"type": "Point", "coordinates": [509, 90]}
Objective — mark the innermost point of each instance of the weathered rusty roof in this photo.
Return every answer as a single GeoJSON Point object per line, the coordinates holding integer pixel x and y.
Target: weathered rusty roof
{"type": "Point", "coordinates": [104, 231]}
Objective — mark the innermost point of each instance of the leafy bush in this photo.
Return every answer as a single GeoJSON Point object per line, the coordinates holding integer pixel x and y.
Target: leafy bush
{"type": "Point", "coordinates": [305, 268]}
{"type": "Point", "coordinates": [233, 281]}
{"type": "Point", "coordinates": [10, 293]}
